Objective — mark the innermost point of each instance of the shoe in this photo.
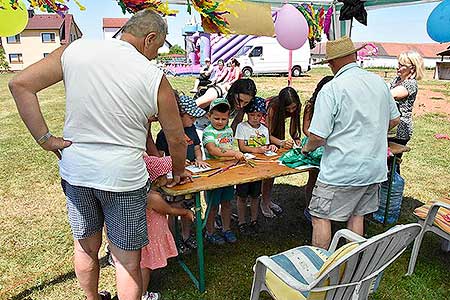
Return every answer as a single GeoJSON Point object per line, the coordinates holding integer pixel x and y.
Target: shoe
{"type": "Point", "coordinates": [182, 248]}
{"type": "Point", "coordinates": [243, 229]}
{"type": "Point", "coordinates": [191, 242]}
{"type": "Point", "coordinates": [229, 236]}
{"type": "Point", "coordinates": [253, 228]}
{"type": "Point", "coordinates": [151, 296]}
{"type": "Point", "coordinates": [193, 91]}
{"type": "Point", "coordinates": [104, 295]}
{"type": "Point", "coordinates": [215, 238]}
{"type": "Point", "coordinates": [307, 214]}
{"type": "Point", "coordinates": [218, 222]}
{"type": "Point", "coordinates": [267, 212]}
{"type": "Point", "coordinates": [275, 208]}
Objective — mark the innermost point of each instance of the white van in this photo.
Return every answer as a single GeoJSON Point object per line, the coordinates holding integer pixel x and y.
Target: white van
{"type": "Point", "coordinates": [264, 55]}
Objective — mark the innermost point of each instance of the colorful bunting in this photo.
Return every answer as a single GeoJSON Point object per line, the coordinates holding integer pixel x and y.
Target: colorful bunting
{"type": "Point", "coordinates": [133, 6]}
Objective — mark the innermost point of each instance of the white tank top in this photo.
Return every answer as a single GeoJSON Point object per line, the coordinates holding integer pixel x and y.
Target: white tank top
{"type": "Point", "coordinates": [111, 91]}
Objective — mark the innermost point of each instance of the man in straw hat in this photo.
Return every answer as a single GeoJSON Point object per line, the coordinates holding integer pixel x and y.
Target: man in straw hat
{"type": "Point", "coordinates": [112, 89]}
{"type": "Point", "coordinates": [351, 119]}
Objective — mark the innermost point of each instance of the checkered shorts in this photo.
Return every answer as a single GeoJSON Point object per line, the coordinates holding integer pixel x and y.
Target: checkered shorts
{"type": "Point", "coordinates": [122, 212]}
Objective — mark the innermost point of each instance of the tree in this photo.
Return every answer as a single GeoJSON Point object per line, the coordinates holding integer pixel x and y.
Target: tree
{"type": "Point", "coordinates": [175, 49]}
{"type": "Point", "coordinates": [4, 64]}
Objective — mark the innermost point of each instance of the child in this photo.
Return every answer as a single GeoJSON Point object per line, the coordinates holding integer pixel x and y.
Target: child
{"type": "Point", "coordinates": [218, 142]}
{"type": "Point", "coordinates": [161, 244]}
{"type": "Point", "coordinates": [189, 111]}
{"type": "Point", "coordinates": [253, 137]}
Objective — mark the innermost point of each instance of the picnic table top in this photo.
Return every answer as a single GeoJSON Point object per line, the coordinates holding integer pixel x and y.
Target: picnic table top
{"type": "Point", "coordinates": [266, 167]}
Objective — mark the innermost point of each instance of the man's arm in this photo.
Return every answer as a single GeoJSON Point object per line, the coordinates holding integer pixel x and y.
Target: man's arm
{"type": "Point", "coordinates": [24, 88]}
{"type": "Point", "coordinates": [314, 142]}
{"type": "Point", "coordinates": [394, 122]}
{"type": "Point", "coordinates": [170, 121]}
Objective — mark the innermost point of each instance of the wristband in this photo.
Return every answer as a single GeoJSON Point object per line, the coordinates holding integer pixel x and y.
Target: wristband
{"type": "Point", "coordinates": [43, 139]}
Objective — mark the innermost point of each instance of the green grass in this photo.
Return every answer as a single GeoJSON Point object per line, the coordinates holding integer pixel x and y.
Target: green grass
{"type": "Point", "coordinates": [36, 244]}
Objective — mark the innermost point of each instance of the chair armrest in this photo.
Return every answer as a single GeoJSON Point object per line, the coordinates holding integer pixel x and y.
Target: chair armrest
{"type": "Point", "coordinates": [282, 274]}
{"type": "Point", "coordinates": [347, 234]}
{"type": "Point", "coordinates": [429, 220]}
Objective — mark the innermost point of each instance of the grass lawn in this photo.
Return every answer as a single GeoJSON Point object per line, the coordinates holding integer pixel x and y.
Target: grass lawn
{"type": "Point", "coordinates": [36, 243]}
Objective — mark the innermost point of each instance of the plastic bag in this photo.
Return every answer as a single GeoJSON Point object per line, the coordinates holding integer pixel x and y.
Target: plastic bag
{"type": "Point", "coordinates": [294, 157]}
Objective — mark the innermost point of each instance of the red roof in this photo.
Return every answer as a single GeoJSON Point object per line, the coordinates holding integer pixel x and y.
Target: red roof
{"type": "Point", "coordinates": [114, 22]}
{"type": "Point", "coordinates": [47, 21]}
{"type": "Point", "coordinates": [426, 50]}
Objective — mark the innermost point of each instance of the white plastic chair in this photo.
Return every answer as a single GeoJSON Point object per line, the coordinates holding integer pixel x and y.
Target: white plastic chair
{"type": "Point", "coordinates": [429, 225]}
{"type": "Point", "coordinates": [362, 266]}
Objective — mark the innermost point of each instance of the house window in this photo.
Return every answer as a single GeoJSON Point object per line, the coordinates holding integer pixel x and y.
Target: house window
{"type": "Point", "coordinates": [15, 58]}
{"type": "Point", "coordinates": [15, 39]}
{"type": "Point", "coordinates": [46, 54]}
{"type": "Point", "coordinates": [48, 37]}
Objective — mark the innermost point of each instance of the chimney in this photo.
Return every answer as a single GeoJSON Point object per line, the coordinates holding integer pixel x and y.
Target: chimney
{"type": "Point", "coordinates": [30, 13]}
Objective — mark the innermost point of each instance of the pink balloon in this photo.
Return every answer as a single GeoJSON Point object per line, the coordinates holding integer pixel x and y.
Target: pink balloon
{"type": "Point", "coordinates": [291, 27]}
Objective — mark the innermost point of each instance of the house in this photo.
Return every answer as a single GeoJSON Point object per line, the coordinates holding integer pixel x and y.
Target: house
{"type": "Point", "coordinates": [388, 53]}
{"type": "Point", "coordinates": [43, 34]}
{"type": "Point", "coordinates": [112, 28]}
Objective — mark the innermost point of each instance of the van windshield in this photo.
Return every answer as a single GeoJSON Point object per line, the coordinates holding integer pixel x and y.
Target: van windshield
{"type": "Point", "coordinates": [243, 51]}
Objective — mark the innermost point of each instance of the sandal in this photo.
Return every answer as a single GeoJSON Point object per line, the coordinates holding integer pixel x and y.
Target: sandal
{"type": "Point", "coordinates": [275, 208]}
{"type": "Point", "coordinates": [104, 295]}
{"type": "Point", "coordinates": [267, 212]}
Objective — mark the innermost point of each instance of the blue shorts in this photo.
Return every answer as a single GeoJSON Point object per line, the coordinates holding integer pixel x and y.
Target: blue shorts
{"type": "Point", "coordinates": [217, 196]}
{"type": "Point", "coordinates": [123, 213]}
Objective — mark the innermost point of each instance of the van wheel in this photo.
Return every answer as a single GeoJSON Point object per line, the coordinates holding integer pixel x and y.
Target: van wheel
{"type": "Point", "coordinates": [296, 71]}
{"type": "Point", "coordinates": [247, 72]}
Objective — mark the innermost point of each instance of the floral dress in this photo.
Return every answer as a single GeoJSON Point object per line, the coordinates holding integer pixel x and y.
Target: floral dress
{"type": "Point", "coordinates": [405, 106]}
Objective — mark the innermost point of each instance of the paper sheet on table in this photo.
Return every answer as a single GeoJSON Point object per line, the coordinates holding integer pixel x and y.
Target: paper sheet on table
{"type": "Point", "coordinates": [251, 19]}
{"type": "Point", "coordinates": [249, 156]}
{"type": "Point", "coordinates": [195, 169]}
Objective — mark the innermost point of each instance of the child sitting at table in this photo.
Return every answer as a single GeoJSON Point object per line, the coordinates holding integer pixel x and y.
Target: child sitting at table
{"type": "Point", "coordinates": [253, 137]}
{"type": "Point", "coordinates": [161, 244]}
{"type": "Point", "coordinates": [189, 111]}
{"type": "Point", "coordinates": [218, 142]}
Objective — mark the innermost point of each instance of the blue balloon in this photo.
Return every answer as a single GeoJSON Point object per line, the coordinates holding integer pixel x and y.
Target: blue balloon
{"type": "Point", "coordinates": [438, 23]}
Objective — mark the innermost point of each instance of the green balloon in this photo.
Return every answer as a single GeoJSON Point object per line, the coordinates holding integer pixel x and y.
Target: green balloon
{"type": "Point", "coordinates": [13, 21]}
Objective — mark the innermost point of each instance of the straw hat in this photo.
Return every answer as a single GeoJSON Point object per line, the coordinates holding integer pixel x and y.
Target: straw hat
{"type": "Point", "coordinates": [339, 48]}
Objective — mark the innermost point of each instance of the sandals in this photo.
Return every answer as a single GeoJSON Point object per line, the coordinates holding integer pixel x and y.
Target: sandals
{"type": "Point", "coordinates": [104, 295]}
{"type": "Point", "coordinates": [267, 212]}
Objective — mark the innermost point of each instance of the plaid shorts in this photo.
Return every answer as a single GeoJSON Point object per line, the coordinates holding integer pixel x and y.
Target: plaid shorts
{"type": "Point", "coordinates": [122, 212]}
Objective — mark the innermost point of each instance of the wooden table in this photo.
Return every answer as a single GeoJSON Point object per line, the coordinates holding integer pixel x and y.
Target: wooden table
{"type": "Point", "coordinates": [266, 167]}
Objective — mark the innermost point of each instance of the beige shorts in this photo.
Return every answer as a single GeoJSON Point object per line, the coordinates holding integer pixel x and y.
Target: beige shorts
{"type": "Point", "coordinates": [339, 203]}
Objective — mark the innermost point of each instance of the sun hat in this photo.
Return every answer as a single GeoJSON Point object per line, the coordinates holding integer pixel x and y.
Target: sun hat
{"type": "Point", "coordinates": [187, 105]}
{"type": "Point", "coordinates": [218, 101]}
{"type": "Point", "coordinates": [339, 48]}
{"type": "Point", "coordinates": [157, 166]}
{"type": "Point", "coordinates": [257, 104]}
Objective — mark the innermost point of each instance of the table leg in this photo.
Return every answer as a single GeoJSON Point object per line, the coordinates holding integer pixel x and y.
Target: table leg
{"type": "Point", "coordinates": [199, 234]}
{"type": "Point", "coordinates": [388, 197]}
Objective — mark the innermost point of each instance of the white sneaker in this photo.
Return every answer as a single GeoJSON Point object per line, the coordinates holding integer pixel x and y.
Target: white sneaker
{"type": "Point", "coordinates": [151, 296]}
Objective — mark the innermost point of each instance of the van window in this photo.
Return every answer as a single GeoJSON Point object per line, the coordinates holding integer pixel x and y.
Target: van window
{"type": "Point", "coordinates": [243, 51]}
{"type": "Point", "coordinates": [256, 52]}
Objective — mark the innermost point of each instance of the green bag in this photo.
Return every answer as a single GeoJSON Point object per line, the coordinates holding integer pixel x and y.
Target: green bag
{"type": "Point", "coordinates": [294, 157]}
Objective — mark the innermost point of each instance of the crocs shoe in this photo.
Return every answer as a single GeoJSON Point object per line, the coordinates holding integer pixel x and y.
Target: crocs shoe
{"type": "Point", "coordinates": [182, 248]}
{"type": "Point", "coordinates": [275, 208]}
{"type": "Point", "coordinates": [267, 212]}
{"type": "Point", "coordinates": [151, 296]}
{"type": "Point", "coordinates": [215, 238]}
{"type": "Point", "coordinates": [229, 236]}
{"type": "Point", "coordinates": [191, 242]}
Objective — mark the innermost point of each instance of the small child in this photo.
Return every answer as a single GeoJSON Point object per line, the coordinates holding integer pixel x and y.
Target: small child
{"type": "Point", "coordinates": [189, 111]}
{"type": "Point", "coordinates": [161, 244]}
{"type": "Point", "coordinates": [253, 137]}
{"type": "Point", "coordinates": [218, 142]}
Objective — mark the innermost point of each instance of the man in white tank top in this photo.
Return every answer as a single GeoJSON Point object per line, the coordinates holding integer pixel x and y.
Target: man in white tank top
{"type": "Point", "coordinates": [112, 90]}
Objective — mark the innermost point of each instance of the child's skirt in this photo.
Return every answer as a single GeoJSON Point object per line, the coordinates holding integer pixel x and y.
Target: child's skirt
{"type": "Point", "coordinates": [161, 244]}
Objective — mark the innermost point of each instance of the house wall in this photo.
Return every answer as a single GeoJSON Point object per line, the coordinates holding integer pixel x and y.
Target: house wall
{"type": "Point", "coordinates": [31, 47]}
{"type": "Point", "coordinates": [109, 32]}
{"type": "Point", "coordinates": [391, 62]}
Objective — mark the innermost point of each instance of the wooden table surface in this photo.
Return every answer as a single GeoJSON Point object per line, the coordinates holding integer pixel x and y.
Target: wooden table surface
{"type": "Point", "coordinates": [266, 167]}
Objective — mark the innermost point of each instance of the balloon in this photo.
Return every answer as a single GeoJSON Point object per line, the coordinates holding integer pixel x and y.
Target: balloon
{"type": "Point", "coordinates": [13, 21]}
{"type": "Point", "coordinates": [438, 23]}
{"type": "Point", "coordinates": [291, 27]}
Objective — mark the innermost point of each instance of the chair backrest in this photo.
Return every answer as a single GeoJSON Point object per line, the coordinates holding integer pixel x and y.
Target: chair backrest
{"type": "Point", "coordinates": [359, 268]}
